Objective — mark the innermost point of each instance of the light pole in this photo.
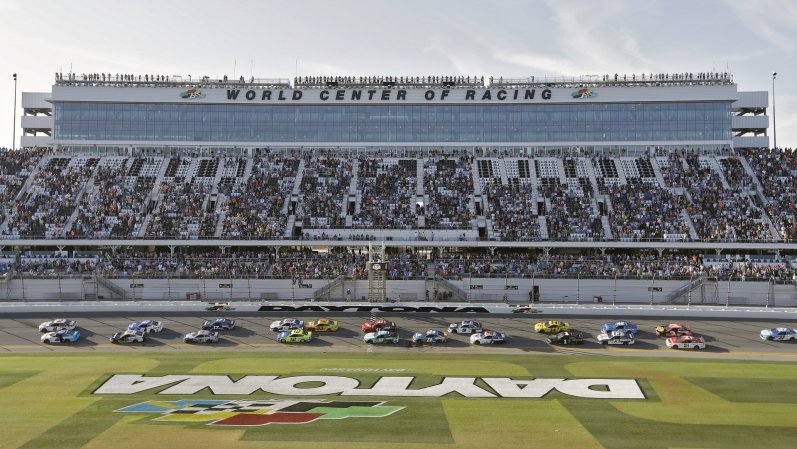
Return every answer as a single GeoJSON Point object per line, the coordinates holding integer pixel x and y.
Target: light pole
{"type": "Point", "coordinates": [774, 127]}
{"type": "Point", "coordinates": [14, 127]}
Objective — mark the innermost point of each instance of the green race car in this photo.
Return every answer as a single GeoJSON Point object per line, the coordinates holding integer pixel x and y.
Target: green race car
{"type": "Point", "coordinates": [295, 336]}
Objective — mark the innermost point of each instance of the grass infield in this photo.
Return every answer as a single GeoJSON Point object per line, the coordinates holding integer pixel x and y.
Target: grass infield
{"type": "Point", "coordinates": [46, 401]}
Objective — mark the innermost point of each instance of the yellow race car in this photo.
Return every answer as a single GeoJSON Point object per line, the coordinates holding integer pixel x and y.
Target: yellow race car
{"type": "Point", "coordinates": [322, 325]}
{"type": "Point", "coordinates": [295, 336]}
{"type": "Point", "coordinates": [551, 327]}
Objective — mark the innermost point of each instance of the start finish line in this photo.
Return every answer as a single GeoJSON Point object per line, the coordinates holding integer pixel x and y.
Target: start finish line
{"type": "Point", "coordinates": [388, 386]}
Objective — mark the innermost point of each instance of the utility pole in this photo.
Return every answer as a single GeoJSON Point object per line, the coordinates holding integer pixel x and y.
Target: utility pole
{"type": "Point", "coordinates": [774, 127]}
{"type": "Point", "coordinates": [14, 126]}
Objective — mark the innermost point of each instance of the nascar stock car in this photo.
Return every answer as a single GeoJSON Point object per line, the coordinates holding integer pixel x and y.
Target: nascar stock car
{"type": "Point", "coordinates": [686, 342]}
{"type": "Point", "coordinates": [619, 326]}
{"type": "Point", "coordinates": [378, 324]}
{"type": "Point", "coordinates": [430, 336]}
{"type": "Point", "coordinates": [525, 309]}
{"type": "Point", "coordinates": [147, 326]}
{"type": "Point", "coordinates": [673, 330]}
{"type": "Point", "coordinates": [61, 336]}
{"type": "Point", "coordinates": [286, 324]}
{"type": "Point", "coordinates": [203, 336]}
{"type": "Point", "coordinates": [487, 337]}
{"type": "Point", "coordinates": [295, 336]}
{"type": "Point", "coordinates": [551, 327]}
{"type": "Point", "coordinates": [565, 338]}
{"type": "Point", "coordinates": [128, 336]}
{"type": "Point", "coordinates": [465, 327]}
{"type": "Point", "coordinates": [381, 336]}
{"type": "Point", "coordinates": [618, 337]}
{"type": "Point", "coordinates": [219, 306]}
{"type": "Point", "coordinates": [779, 334]}
{"type": "Point", "coordinates": [57, 325]}
{"type": "Point", "coordinates": [322, 325]}
{"type": "Point", "coordinates": [219, 324]}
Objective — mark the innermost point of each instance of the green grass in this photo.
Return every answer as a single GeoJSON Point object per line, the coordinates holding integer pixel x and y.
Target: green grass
{"type": "Point", "coordinates": [47, 402]}
{"type": "Point", "coordinates": [749, 389]}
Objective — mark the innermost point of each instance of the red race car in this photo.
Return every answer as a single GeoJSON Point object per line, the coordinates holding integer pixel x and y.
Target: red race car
{"type": "Point", "coordinates": [673, 330]}
{"type": "Point", "coordinates": [380, 324]}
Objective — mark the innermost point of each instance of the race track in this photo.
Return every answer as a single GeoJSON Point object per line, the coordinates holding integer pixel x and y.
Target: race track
{"type": "Point", "coordinates": [737, 338]}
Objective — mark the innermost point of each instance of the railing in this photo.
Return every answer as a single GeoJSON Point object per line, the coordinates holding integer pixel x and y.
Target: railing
{"type": "Point", "coordinates": [642, 79]}
{"type": "Point", "coordinates": [683, 291]}
{"type": "Point", "coordinates": [457, 293]}
{"type": "Point", "coordinates": [125, 80]}
{"type": "Point", "coordinates": [325, 292]}
{"type": "Point", "coordinates": [364, 236]}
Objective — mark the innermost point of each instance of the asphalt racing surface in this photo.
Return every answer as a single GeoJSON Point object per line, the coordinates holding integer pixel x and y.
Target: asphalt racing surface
{"type": "Point", "coordinates": [736, 339]}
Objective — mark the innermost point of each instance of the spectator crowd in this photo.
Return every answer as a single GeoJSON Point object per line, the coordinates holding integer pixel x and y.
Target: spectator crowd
{"type": "Point", "coordinates": [743, 196]}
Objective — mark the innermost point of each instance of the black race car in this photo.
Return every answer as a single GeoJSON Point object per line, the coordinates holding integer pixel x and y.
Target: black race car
{"type": "Point", "coordinates": [219, 324]}
{"type": "Point", "coordinates": [565, 338]}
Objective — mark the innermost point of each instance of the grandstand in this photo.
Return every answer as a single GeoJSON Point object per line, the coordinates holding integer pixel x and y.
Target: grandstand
{"type": "Point", "coordinates": [444, 178]}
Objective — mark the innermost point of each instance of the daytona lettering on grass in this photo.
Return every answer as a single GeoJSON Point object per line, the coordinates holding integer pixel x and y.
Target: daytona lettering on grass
{"type": "Point", "coordinates": [499, 387]}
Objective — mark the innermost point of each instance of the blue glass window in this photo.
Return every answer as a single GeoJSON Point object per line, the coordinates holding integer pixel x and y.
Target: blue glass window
{"type": "Point", "coordinates": [394, 123]}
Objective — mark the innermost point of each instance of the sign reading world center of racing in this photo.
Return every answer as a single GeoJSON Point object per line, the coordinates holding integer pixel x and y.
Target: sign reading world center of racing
{"type": "Point", "coordinates": [388, 386]}
{"type": "Point", "coordinates": [384, 95]}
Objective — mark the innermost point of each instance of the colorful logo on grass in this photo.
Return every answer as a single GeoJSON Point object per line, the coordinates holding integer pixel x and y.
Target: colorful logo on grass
{"type": "Point", "coordinates": [258, 413]}
{"type": "Point", "coordinates": [584, 93]}
{"type": "Point", "coordinates": [192, 93]}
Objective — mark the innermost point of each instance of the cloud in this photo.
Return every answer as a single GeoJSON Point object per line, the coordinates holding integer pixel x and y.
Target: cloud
{"type": "Point", "coordinates": [462, 64]}
{"type": "Point", "coordinates": [770, 20]}
{"type": "Point", "coordinates": [317, 68]}
{"type": "Point", "coordinates": [578, 45]}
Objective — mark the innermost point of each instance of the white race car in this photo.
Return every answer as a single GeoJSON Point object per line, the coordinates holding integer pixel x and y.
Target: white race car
{"type": "Point", "coordinates": [57, 325]}
{"type": "Point", "coordinates": [203, 336]}
{"type": "Point", "coordinates": [465, 327]}
{"type": "Point", "coordinates": [381, 336]}
{"type": "Point", "coordinates": [128, 336]}
{"type": "Point", "coordinates": [780, 334]}
{"type": "Point", "coordinates": [146, 326]}
{"type": "Point", "coordinates": [288, 324]}
{"type": "Point", "coordinates": [618, 337]}
{"type": "Point", "coordinates": [686, 342]}
{"type": "Point", "coordinates": [62, 336]}
{"type": "Point", "coordinates": [488, 338]}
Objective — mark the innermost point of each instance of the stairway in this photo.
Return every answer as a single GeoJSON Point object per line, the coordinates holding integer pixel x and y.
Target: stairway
{"type": "Point", "coordinates": [607, 229]}
{"type": "Point", "coordinates": [688, 220]}
{"type": "Point", "coordinates": [657, 171]}
{"type": "Point", "coordinates": [543, 222]}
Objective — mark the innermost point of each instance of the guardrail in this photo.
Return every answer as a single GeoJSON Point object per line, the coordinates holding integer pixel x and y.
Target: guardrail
{"type": "Point", "coordinates": [444, 309]}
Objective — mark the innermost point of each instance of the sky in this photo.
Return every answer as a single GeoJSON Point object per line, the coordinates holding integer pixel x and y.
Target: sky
{"type": "Point", "coordinates": [509, 38]}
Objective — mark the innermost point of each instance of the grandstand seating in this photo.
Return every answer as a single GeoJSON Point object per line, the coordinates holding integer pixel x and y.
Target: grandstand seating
{"type": "Point", "coordinates": [329, 194]}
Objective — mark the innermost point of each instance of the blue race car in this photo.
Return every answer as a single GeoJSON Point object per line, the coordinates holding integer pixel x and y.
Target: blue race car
{"type": "Point", "coordinates": [146, 326]}
{"type": "Point", "coordinates": [780, 334]}
{"type": "Point", "coordinates": [219, 324]}
{"type": "Point", "coordinates": [430, 336]}
{"type": "Point", "coordinates": [624, 326]}
{"type": "Point", "coordinates": [62, 336]}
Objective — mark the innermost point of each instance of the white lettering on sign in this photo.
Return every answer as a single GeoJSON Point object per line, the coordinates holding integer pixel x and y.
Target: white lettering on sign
{"type": "Point", "coordinates": [502, 387]}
